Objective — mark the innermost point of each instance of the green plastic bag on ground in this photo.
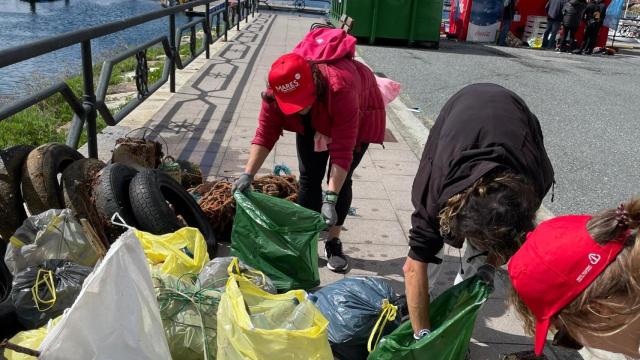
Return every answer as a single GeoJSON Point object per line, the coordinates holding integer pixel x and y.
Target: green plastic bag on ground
{"type": "Point", "coordinates": [453, 315]}
{"type": "Point", "coordinates": [279, 238]}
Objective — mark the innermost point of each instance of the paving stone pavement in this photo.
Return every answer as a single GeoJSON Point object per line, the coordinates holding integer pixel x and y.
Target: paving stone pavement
{"type": "Point", "coordinates": [211, 120]}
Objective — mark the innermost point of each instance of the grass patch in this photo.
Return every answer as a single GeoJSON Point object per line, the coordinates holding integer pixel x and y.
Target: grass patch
{"type": "Point", "coordinates": [49, 120]}
{"type": "Point", "coordinates": [185, 49]}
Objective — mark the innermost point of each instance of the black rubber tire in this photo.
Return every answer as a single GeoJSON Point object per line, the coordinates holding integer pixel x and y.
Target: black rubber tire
{"type": "Point", "coordinates": [111, 193]}
{"type": "Point", "coordinates": [152, 193]}
{"type": "Point", "coordinates": [40, 187]}
{"type": "Point", "coordinates": [12, 212]}
{"type": "Point", "coordinates": [5, 274]}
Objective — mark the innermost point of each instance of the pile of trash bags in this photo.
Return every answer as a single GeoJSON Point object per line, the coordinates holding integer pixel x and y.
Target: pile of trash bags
{"type": "Point", "coordinates": [47, 258]}
{"type": "Point", "coordinates": [162, 297]}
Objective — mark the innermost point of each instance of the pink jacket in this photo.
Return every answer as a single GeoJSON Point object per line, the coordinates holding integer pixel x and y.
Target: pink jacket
{"type": "Point", "coordinates": [351, 112]}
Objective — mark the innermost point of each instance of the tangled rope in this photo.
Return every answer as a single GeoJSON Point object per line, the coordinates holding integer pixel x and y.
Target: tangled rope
{"type": "Point", "coordinates": [218, 205]}
{"type": "Point", "coordinates": [285, 187]}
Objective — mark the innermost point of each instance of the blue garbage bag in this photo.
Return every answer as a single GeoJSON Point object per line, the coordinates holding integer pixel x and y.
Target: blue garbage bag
{"type": "Point", "coordinates": [353, 306]}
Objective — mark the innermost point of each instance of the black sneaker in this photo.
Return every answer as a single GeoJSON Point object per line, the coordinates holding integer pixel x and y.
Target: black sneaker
{"type": "Point", "coordinates": [336, 260]}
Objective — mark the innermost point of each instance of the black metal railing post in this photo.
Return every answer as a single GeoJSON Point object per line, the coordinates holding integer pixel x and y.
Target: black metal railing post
{"type": "Point", "coordinates": [217, 26]}
{"type": "Point", "coordinates": [225, 17]}
{"type": "Point", "coordinates": [192, 41]}
{"type": "Point", "coordinates": [89, 99]}
{"type": "Point", "coordinates": [207, 33]}
{"type": "Point", "coordinates": [172, 43]}
{"type": "Point", "coordinates": [239, 15]}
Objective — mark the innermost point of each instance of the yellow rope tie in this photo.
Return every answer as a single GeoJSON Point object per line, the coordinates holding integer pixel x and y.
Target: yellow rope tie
{"type": "Point", "coordinates": [44, 277]}
{"type": "Point", "coordinates": [234, 267]}
{"type": "Point", "coordinates": [389, 312]}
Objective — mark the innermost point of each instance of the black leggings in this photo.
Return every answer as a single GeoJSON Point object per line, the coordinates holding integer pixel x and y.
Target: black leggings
{"type": "Point", "coordinates": [590, 37]}
{"type": "Point", "coordinates": [568, 36]}
{"type": "Point", "coordinates": [313, 166]}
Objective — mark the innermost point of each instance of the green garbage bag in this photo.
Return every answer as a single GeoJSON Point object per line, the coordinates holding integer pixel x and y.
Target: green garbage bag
{"type": "Point", "coordinates": [279, 238]}
{"type": "Point", "coordinates": [452, 316]}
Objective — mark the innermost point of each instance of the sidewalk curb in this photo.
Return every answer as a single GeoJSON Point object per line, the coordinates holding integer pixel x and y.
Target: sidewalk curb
{"type": "Point", "coordinates": [412, 129]}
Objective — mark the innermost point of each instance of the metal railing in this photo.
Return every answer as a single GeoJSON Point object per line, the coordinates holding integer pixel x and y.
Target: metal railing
{"type": "Point", "coordinates": [85, 110]}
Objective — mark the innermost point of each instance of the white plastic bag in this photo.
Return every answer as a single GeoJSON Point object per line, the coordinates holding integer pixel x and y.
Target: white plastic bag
{"type": "Point", "coordinates": [116, 315]}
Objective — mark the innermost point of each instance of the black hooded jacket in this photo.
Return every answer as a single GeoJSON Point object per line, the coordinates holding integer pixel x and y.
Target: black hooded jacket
{"type": "Point", "coordinates": [481, 128]}
{"type": "Point", "coordinates": [595, 13]}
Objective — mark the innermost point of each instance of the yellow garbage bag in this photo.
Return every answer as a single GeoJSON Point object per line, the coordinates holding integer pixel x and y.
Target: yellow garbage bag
{"type": "Point", "coordinates": [178, 253]}
{"type": "Point", "coordinates": [30, 339]}
{"type": "Point", "coordinates": [256, 325]}
{"type": "Point", "coordinates": [535, 43]}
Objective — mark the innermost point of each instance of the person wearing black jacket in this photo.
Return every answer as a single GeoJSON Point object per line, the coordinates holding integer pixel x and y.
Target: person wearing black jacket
{"type": "Point", "coordinates": [554, 20]}
{"type": "Point", "coordinates": [482, 176]}
{"type": "Point", "coordinates": [507, 17]}
{"type": "Point", "coordinates": [571, 17]}
{"type": "Point", "coordinates": [594, 17]}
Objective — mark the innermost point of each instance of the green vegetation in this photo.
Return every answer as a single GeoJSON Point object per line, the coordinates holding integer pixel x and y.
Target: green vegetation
{"type": "Point", "coordinates": [48, 120]}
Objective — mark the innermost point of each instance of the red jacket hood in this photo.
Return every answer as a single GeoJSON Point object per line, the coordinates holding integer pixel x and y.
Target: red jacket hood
{"type": "Point", "coordinates": [326, 45]}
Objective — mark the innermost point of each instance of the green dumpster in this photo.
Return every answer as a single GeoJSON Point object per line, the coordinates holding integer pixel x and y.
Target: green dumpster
{"type": "Point", "coordinates": [411, 20]}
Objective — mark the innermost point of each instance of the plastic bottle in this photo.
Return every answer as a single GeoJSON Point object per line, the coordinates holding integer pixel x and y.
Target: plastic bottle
{"type": "Point", "coordinates": [302, 316]}
{"type": "Point", "coordinates": [276, 317]}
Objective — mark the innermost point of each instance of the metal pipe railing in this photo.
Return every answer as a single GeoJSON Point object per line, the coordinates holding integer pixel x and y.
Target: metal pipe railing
{"type": "Point", "coordinates": [85, 111]}
{"type": "Point", "coordinates": [19, 53]}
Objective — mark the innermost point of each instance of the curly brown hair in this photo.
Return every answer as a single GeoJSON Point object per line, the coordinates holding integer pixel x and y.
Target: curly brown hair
{"type": "Point", "coordinates": [493, 214]}
{"type": "Point", "coordinates": [614, 296]}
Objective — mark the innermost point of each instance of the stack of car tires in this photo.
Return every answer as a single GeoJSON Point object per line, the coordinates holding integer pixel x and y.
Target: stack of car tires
{"type": "Point", "coordinates": [56, 176]}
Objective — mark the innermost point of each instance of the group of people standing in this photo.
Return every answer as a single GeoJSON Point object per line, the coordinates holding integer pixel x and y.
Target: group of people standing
{"type": "Point", "coordinates": [482, 176]}
{"type": "Point", "coordinates": [565, 16]}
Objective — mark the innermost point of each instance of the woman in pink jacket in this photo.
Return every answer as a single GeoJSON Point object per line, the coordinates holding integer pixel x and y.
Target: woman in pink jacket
{"type": "Point", "coordinates": [334, 105]}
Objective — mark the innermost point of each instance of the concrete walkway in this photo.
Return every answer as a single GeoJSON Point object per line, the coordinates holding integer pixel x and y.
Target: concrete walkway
{"type": "Point", "coordinates": [211, 120]}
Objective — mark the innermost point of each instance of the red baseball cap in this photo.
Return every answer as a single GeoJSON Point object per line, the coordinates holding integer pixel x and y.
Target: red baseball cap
{"type": "Point", "coordinates": [555, 264]}
{"type": "Point", "coordinates": [292, 83]}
